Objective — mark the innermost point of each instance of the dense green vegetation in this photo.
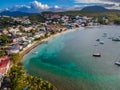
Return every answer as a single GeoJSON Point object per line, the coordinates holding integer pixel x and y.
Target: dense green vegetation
{"type": "Point", "coordinates": [15, 58]}
{"type": "Point", "coordinates": [20, 80]}
{"type": "Point", "coordinates": [2, 53]}
{"type": "Point", "coordinates": [36, 18]}
{"type": "Point", "coordinates": [117, 21]}
{"type": "Point", "coordinates": [6, 21]}
{"type": "Point", "coordinates": [3, 39]}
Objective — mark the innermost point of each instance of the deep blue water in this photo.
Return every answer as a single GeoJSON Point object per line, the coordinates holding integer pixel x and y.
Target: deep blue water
{"type": "Point", "coordinates": [67, 62]}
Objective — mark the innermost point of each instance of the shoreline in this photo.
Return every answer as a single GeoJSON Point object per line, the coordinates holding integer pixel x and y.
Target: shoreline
{"type": "Point", "coordinates": [36, 43]}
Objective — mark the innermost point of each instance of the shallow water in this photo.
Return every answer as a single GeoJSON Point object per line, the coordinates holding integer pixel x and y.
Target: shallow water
{"type": "Point", "coordinates": [67, 62]}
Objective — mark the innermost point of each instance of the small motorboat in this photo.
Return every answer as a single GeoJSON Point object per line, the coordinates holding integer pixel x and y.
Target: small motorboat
{"type": "Point", "coordinates": [95, 45]}
{"type": "Point", "coordinates": [116, 39]}
{"type": "Point", "coordinates": [98, 40]}
{"type": "Point", "coordinates": [96, 55]}
{"type": "Point", "coordinates": [117, 63]}
{"type": "Point", "coordinates": [35, 52]}
{"type": "Point", "coordinates": [109, 37]}
{"type": "Point", "coordinates": [104, 34]}
{"type": "Point", "coordinates": [101, 42]}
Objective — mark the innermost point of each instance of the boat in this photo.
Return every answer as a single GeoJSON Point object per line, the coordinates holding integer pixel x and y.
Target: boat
{"type": "Point", "coordinates": [98, 40]}
{"type": "Point", "coordinates": [104, 34]}
{"type": "Point", "coordinates": [96, 55]}
{"type": "Point", "coordinates": [101, 42]}
{"type": "Point", "coordinates": [109, 37]}
{"type": "Point", "coordinates": [116, 39]}
{"type": "Point", "coordinates": [117, 63]}
{"type": "Point", "coordinates": [35, 52]}
{"type": "Point", "coordinates": [95, 45]}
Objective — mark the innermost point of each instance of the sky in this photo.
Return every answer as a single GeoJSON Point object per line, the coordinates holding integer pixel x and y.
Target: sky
{"type": "Point", "coordinates": [62, 3]}
{"type": "Point", "coordinates": [47, 4]}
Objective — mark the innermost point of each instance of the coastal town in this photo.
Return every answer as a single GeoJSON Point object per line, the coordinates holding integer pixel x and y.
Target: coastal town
{"type": "Point", "coordinates": [60, 45]}
{"type": "Point", "coordinates": [20, 35]}
{"type": "Point", "coordinates": [19, 38]}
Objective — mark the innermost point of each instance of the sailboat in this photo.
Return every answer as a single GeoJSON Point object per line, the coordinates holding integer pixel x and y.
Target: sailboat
{"type": "Point", "coordinates": [96, 54]}
{"type": "Point", "coordinates": [117, 61]}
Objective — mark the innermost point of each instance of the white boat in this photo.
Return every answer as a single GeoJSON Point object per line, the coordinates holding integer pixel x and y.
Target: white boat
{"type": "Point", "coordinates": [117, 63]}
{"type": "Point", "coordinates": [101, 42]}
{"type": "Point", "coordinates": [35, 52]}
{"type": "Point", "coordinates": [96, 54]}
{"type": "Point", "coordinates": [96, 45]}
{"type": "Point", "coordinates": [104, 34]}
{"type": "Point", "coordinates": [116, 39]}
{"type": "Point", "coordinates": [98, 40]}
{"type": "Point", "coordinates": [109, 37]}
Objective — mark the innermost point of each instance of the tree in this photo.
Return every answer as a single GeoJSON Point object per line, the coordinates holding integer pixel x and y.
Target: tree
{"type": "Point", "coordinates": [2, 53]}
{"type": "Point", "coordinates": [17, 78]}
{"type": "Point", "coordinates": [15, 58]}
{"type": "Point", "coordinates": [20, 80]}
{"type": "Point", "coordinates": [117, 21]}
{"type": "Point", "coordinates": [4, 39]}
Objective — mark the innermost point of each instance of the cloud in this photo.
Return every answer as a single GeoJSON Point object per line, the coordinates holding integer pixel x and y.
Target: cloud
{"type": "Point", "coordinates": [109, 4]}
{"type": "Point", "coordinates": [87, 1]}
{"type": "Point", "coordinates": [39, 5]}
{"type": "Point", "coordinates": [56, 6]}
{"type": "Point", "coordinates": [98, 1]}
{"type": "Point", "coordinates": [34, 7]}
{"type": "Point", "coordinates": [75, 7]}
{"type": "Point", "coordinates": [19, 8]}
{"type": "Point", "coordinates": [114, 1]}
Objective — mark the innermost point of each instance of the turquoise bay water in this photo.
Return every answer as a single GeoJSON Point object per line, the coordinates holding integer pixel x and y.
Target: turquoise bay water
{"type": "Point", "coordinates": [67, 62]}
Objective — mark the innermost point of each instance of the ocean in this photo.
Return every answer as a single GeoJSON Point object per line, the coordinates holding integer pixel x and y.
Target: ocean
{"type": "Point", "coordinates": [67, 62]}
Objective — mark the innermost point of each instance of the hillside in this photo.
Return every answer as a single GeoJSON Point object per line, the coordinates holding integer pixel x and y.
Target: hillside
{"type": "Point", "coordinates": [95, 9]}
{"type": "Point", "coordinates": [15, 13]}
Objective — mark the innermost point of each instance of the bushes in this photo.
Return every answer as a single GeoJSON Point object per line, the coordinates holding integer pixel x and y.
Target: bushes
{"type": "Point", "coordinates": [20, 80]}
{"type": "Point", "coordinates": [2, 53]}
{"type": "Point", "coordinates": [15, 58]}
{"type": "Point", "coordinates": [117, 21]}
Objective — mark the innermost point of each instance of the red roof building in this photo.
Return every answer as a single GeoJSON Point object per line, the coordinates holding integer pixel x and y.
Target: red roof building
{"type": "Point", "coordinates": [4, 64]}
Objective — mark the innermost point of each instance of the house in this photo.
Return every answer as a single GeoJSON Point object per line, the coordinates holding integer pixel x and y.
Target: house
{"type": "Point", "coordinates": [42, 29]}
{"type": "Point", "coordinates": [28, 29]}
{"type": "Point", "coordinates": [0, 33]}
{"type": "Point", "coordinates": [1, 79]}
{"type": "Point", "coordinates": [27, 21]}
{"type": "Point", "coordinates": [55, 16]}
{"type": "Point", "coordinates": [4, 66]}
{"type": "Point", "coordinates": [39, 34]}
{"type": "Point", "coordinates": [15, 48]}
{"type": "Point", "coordinates": [5, 31]}
{"type": "Point", "coordinates": [14, 30]}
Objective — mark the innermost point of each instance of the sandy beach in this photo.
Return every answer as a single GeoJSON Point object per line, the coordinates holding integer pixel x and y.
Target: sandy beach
{"type": "Point", "coordinates": [36, 43]}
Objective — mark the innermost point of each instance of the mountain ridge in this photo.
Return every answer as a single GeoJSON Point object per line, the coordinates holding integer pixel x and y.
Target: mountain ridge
{"type": "Point", "coordinates": [85, 9]}
{"type": "Point", "coordinates": [95, 9]}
